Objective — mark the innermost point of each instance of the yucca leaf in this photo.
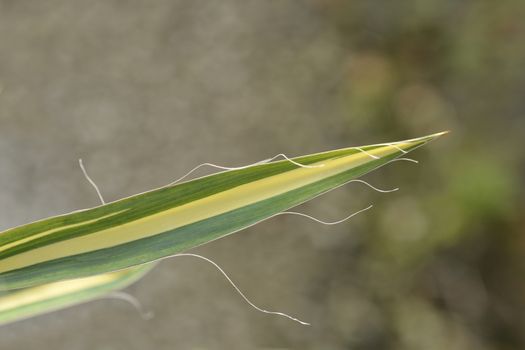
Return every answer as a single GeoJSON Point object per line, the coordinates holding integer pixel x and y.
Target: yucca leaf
{"type": "Point", "coordinates": [29, 302]}
{"type": "Point", "coordinates": [171, 219]}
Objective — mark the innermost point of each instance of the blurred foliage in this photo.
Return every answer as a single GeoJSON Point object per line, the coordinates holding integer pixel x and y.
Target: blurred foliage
{"type": "Point", "coordinates": [443, 265]}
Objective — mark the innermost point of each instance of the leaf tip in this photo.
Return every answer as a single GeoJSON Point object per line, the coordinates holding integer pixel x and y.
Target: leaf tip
{"type": "Point", "coordinates": [438, 134]}
{"type": "Point", "coordinates": [435, 136]}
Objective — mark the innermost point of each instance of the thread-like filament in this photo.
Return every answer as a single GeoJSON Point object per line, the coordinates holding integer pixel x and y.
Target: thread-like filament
{"type": "Point", "coordinates": [221, 167]}
{"type": "Point", "coordinates": [321, 221]}
{"type": "Point", "coordinates": [130, 299]}
{"type": "Point", "coordinates": [91, 181]}
{"type": "Point", "coordinates": [248, 301]}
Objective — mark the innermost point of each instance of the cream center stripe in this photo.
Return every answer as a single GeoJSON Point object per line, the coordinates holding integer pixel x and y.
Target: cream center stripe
{"type": "Point", "coordinates": [48, 232]}
{"type": "Point", "coordinates": [53, 290]}
{"type": "Point", "coordinates": [204, 208]}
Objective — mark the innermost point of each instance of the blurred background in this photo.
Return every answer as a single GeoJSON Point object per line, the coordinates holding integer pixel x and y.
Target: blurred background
{"type": "Point", "coordinates": [144, 91]}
